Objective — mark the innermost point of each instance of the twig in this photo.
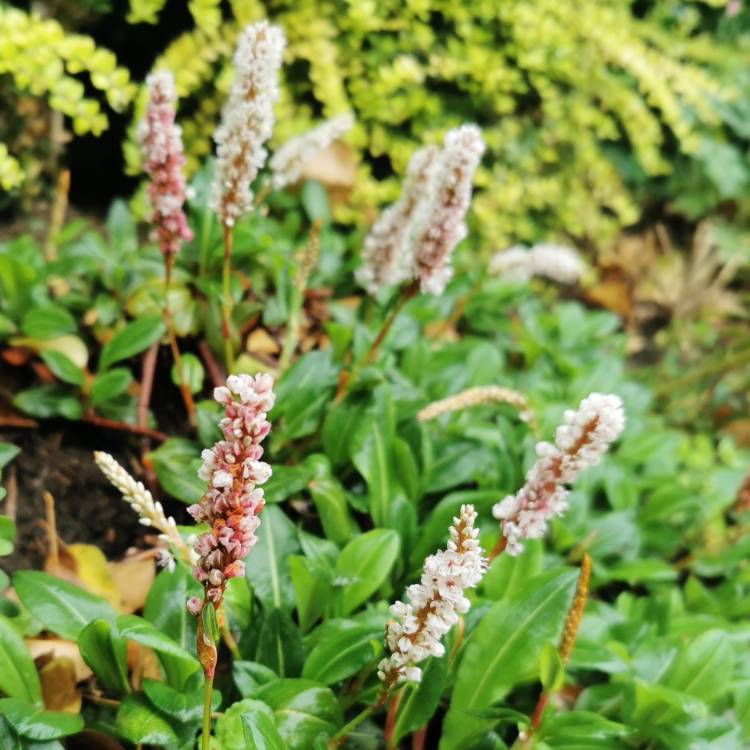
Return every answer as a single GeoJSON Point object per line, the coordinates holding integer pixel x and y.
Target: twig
{"type": "Point", "coordinates": [54, 550]}
{"type": "Point", "coordinates": [212, 366]}
{"type": "Point", "coordinates": [148, 368]}
{"type": "Point", "coordinates": [112, 424]}
{"type": "Point", "coordinates": [419, 738]}
{"type": "Point", "coordinates": [57, 214]}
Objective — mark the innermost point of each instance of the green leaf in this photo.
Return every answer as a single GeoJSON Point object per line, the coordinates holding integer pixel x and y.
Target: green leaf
{"type": "Point", "coordinates": [374, 460]}
{"type": "Point", "coordinates": [133, 339]}
{"type": "Point", "coordinates": [121, 228]}
{"type": "Point", "coordinates": [61, 607]}
{"type": "Point", "coordinates": [504, 650]}
{"type": "Point", "coordinates": [249, 675]}
{"type": "Point", "coordinates": [178, 663]}
{"type": "Point", "coordinates": [333, 511]}
{"type": "Point", "coordinates": [166, 606]}
{"type": "Point", "coordinates": [279, 645]}
{"type": "Point", "coordinates": [269, 572]}
{"type": "Point", "coordinates": [230, 731]}
{"type": "Point", "coordinates": [63, 368]}
{"type": "Point", "coordinates": [18, 675]}
{"type": "Point", "coordinates": [109, 385]}
{"type": "Point", "coordinates": [420, 701]}
{"type": "Point", "coordinates": [315, 201]}
{"type": "Point", "coordinates": [303, 710]}
{"type": "Point", "coordinates": [106, 653]}
{"type": "Point", "coordinates": [48, 322]}
{"type": "Point", "coordinates": [303, 393]}
{"type": "Point", "coordinates": [702, 666]}
{"type": "Point", "coordinates": [192, 372]}
{"type": "Point", "coordinates": [139, 722]}
{"type": "Point", "coordinates": [176, 463]}
{"type": "Point", "coordinates": [49, 401]}
{"type": "Point", "coordinates": [261, 733]}
{"type": "Point", "coordinates": [345, 426]}
{"type": "Point", "coordinates": [33, 722]}
{"type": "Point", "coordinates": [365, 564]}
{"type": "Point", "coordinates": [184, 707]}
{"type": "Point", "coordinates": [551, 669]}
{"type": "Point", "coordinates": [509, 574]}
{"type": "Point", "coordinates": [345, 647]}
{"type": "Point", "coordinates": [312, 588]}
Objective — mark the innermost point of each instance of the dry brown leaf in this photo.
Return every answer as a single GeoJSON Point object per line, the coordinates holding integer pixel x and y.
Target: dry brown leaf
{"type": "Point", "coordinates": [612, 294]}
{"type": "Point", "coordinates": [59, 691]}
{"type": "Point", "coordinates": [336, 168]}
{"type": "Point", "coordinates": [261, 342]}
{"type": "Point", "coordinates": [47, 649]}
{"type": "Point", "coordinates": [142, 664]}
{"type": "Point", "coordinates": [133, 578]}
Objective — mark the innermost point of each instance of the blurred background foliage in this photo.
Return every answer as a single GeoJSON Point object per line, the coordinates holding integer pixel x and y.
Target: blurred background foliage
{"type": "Point", "coordinates": [595, 112]}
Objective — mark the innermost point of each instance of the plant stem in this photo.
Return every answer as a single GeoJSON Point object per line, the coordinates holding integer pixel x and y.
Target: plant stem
{"type": "Point", "coordinates": [347, 729]}
{"type": "Point", "coordinates": [226, 305]}
{"type": "Point", "coordinates": [345, 381]}
{"type": "Point", "coordinates": [207, 695]}
{"type": "Point", "coordinates": [291, 338]}
{"type": "Point", "coordinates": [187, 395]}
{"type": "Point", "coordinates": [390, 719]}
{"type": "Point", "coordinates": [502, 543]}
{"type": "Point", "coordinates": [419, 738]}
{"type": "Point", "coordinates": [113, 424]}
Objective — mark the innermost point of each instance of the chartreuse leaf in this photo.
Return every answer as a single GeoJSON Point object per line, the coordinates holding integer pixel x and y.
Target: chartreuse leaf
{"type": "Point", "coordinates": [192, 372]}
{"type": "Point", "coordinates": [106, 653]}
{"type": "Point", "coordinates": [48, 401]}
{"type": "Point", "coordinates": [303, 710]}
{"type": "Point", "coordinates": [133, 339]}
{"type": "Point", "coordinates": [47, 322]}
{"type": "Point", "coordinates": [261, 733]}
{"type": "Point", "coordinates": [504, 650]}
{"type": "Point", "coordinates": [249, 675]}
{"type": "Point", "coordinates": [61, 607]}
{"type": "Point", "coordinates": [8, 452]}
{"type": "Point", "coordinates": [178, 664]}
{"type": "Point", "coordinates": [35, 723]}
{"type": "Point", "coordinates": [269, 573]}
{"type": "Point", "coordinates": [508, 574]}
{"type": "Point", "coordinates": [364, 565]}
{"type": "Point", "coordinates": [186, 707]}
{"type": "Point", "coordinates": [344, 648]}
{"type": "Point", "coordinates": [18, 675]}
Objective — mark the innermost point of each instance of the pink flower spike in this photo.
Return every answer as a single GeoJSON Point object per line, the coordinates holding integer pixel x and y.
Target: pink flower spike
{"type": "Point", "coordinates": [579, 443]}
{"type": "Point", "coordinates": [233, 501]}
{"type": "Point", "coordinates": [443, 226]}
{"type": "Point", "coordinates": [160, 139]}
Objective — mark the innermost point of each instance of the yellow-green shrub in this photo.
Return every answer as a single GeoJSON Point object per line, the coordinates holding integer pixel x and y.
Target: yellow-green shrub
{"type": "Point", "coordinates": [551, 83]}
{"type": "Point", "coordinates": [43, 60]}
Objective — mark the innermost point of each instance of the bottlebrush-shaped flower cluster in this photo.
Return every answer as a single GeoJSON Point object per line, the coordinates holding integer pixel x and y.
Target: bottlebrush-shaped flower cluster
{"type": "Point", "coordinates": [434, 604]}
{"type": "Point", "coordinates": [150, 512]}
{"type": "Point", "coordinates": [247, 119]}
{"type": "Point", "coordinates": [289, 160]}
{"type": "Point", "coordinates": [554, 262]}
{"type": "Point", "coordinates": [415, 238]}
{"type": "Point", "coordinates": [233, 467]}
{"type": "Point", "coordinates": [160, 139]}
{"type": "Point", "coordinates": [579, 443]}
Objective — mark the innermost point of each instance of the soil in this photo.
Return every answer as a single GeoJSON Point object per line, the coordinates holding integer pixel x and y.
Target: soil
{"type": "Point", "coordinates": [57, 457]}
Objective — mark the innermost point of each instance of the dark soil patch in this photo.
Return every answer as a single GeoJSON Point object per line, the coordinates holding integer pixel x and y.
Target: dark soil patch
{"type": "Point", "coordinates": [58, 458]}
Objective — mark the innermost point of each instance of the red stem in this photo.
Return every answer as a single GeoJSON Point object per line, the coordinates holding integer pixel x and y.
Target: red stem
{"type": "Point", "coordinates": [212, 366]}
{"type": "Point", "coordinates": [390, 719]}
{"type": "Point", "coordinates": [112, 424]}
{"type": "Point", "coordinates": [419, 738]}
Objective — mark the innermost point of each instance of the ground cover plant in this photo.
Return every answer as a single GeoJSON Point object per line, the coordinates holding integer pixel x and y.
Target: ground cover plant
{"type": "Point", "coordinates": [395, 496]}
